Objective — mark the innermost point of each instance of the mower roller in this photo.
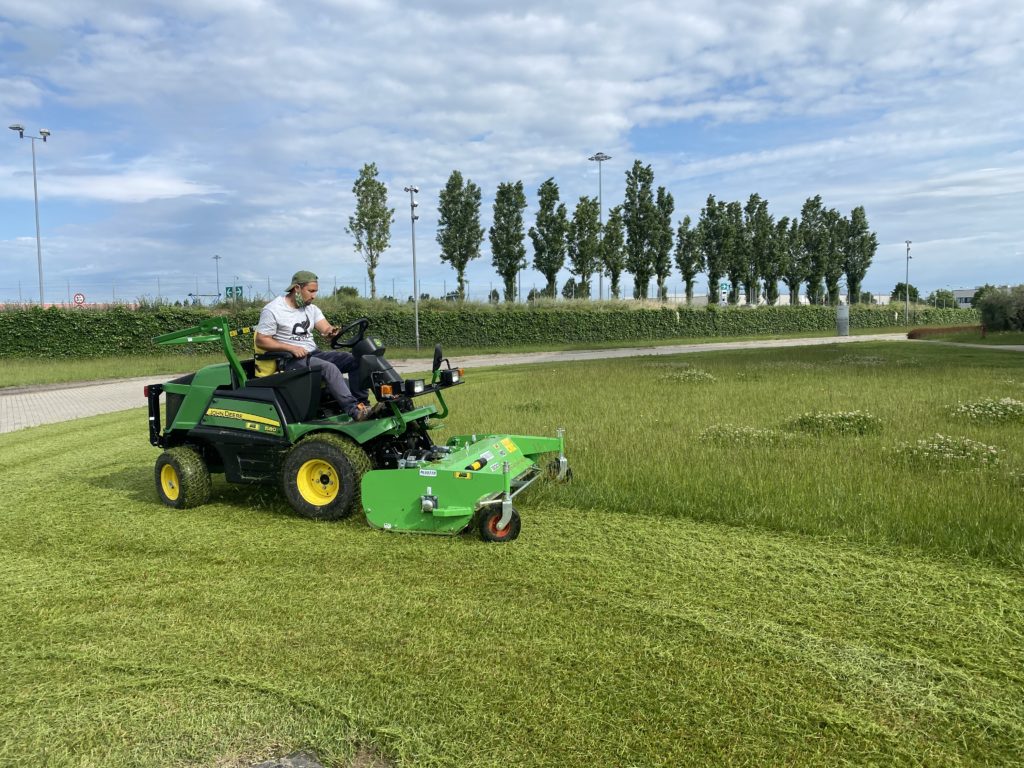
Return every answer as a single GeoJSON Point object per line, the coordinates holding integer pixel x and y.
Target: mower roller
{"type": "Point", "coordinates": [286, 429]}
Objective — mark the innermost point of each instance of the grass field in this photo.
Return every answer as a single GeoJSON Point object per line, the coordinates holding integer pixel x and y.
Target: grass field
{"type": "Point", "coordinates": [757, 563]}
{"type": "Point", "coordinates": [22, 372]}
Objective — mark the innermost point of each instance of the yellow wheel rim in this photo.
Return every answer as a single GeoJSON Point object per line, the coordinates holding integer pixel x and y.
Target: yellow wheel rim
{"type": "Point", "coordinates": [170, 483]}
{"type": "Point", "coordinates": [318, 482]}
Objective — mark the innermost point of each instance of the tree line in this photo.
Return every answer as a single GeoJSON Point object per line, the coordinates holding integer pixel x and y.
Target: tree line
{"type": "Point", "coordinates": [742, 243]}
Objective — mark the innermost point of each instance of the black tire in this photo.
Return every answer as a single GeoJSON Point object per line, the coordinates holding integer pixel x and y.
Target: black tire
{"type": "Point", "coordinates": [319, 479]}
{"type": "Point", "coordinates": [489, 525]}
{"type": "Point", "coordinates": [182, 478]}
{"type": "Point", "coordinates": [361, 464]}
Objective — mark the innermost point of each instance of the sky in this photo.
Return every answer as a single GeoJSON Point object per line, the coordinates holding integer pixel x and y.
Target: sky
{"type": "Point", "coordinates": [236, 128]}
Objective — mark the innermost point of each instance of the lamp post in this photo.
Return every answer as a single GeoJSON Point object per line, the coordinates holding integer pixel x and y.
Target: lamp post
{"type": "Point", "coordinates": [216, 261]}
{"type": "Point", "coordinates": [906, 286]}
{"type": "Point", "coordinates": [415, 288]}
{"type": "Point", "coordinates": [43, 134]}
{"type": "Point", "coordinates": [599, 158]}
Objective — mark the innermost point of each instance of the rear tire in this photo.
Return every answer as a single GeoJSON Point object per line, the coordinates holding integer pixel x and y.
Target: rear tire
{"type": "Point", "coordinates": [319, 479]}
{"type": "Point", "coordinates": [182, 478]}
{"type": "Point", "coordinates": [489, 525]}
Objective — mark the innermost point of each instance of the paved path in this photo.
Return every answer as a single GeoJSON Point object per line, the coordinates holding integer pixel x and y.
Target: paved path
{"type": "Point", "coordinates": [22, 407]}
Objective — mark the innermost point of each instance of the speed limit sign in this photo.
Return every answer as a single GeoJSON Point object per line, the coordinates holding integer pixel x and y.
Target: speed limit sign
{"type": "Point", "coordinates": [79, 299]}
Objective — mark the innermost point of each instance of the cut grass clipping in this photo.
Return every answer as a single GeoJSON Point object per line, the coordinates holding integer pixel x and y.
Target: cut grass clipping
{"type": "Point", "coordinates": [688, 600]}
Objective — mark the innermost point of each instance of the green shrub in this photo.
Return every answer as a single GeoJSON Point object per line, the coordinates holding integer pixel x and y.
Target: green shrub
{"type": "Point", "coordinates": [61, 333]}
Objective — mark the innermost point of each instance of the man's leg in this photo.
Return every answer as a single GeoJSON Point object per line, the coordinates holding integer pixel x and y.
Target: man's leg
{"type": "Point", "coordinates": [347, 363]}
{"type": "Point", "coordinates": [334, 379]}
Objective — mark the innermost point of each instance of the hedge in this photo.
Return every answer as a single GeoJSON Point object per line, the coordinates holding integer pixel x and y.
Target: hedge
{"type": "Point", "coordinates": [65, 333]}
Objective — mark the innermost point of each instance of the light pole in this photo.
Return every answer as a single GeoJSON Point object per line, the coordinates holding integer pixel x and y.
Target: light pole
{"type": "Point", "coordinates": [415, 288]}
{"type": "Point", "coordinates": [43, 134]}
{"type": "Point", "coordinates": [906, 286]}
{"type": "Point", "coordinates": [599, 158]}
{"type": "Point", "coordinates": [216, 261]}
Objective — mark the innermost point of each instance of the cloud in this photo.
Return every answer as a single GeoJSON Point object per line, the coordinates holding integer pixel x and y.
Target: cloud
{"type": "Point", "coordinates": [264, 111]}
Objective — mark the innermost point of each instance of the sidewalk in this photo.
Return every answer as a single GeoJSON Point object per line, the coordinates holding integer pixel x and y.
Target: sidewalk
{"type": "Point", "coordinates": [22, 407]}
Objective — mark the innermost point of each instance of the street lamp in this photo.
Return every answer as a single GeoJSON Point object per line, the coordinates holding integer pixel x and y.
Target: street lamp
{"type": "Point", "coordinates": [415, 288]}
{"type": "Point", "coordinates": [906, 285]}
{"type": "Point", "coordinates": [216, 260]}
{"type": "Point", "coordinates": [43, 134]}
{"type": "Point", "coordinates": [599, 158]}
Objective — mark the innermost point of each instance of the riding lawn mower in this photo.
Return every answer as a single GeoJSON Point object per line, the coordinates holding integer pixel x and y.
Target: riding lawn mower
{"type": "Point", "coordinates": [285, 428]}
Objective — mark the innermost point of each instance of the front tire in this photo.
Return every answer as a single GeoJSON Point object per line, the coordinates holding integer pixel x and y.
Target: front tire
{"type": "Point", "coordinates": [182, 478]}
{"type": "Point", "coordinates": [319, 480]}
{"type": "Point", "coordinates": [489, 525]}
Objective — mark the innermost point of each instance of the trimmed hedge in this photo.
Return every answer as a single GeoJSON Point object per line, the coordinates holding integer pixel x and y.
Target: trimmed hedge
{"type": "Point", "coordinates": [67, 333]}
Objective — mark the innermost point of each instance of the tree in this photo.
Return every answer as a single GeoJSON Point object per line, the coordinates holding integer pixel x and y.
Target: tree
{"type": "Point", "coordinates": [793, 267]}
{"type": "Point", "coordinates": [736, 261]}
{"type": "Point", "coordinates": [941, 297]}
{"type": "Point", "coordinates": [866, 297]}
{"type": "Point", "coordinates": [980, 294]}
{"type": "Point", "coordinates": [584, 243]}
{"type": "Point", "coordinates": [639, 216]}
{"type": "Point", "coordinates": [662, 240]}
{"type": "Point", "coordinates": [370, 225]}
{"type": "Point", "coordinates": [689, 261]}
{"type": "Point", "coordinates": [508, 254]}
{"type": "Point", "coordinates": [812, 237]}
{"type": "Point", "coordinates": [494, 297]}
{"type": "Point", "coordinates": [899, 293]}
{"type": "Point", "coordinates": [458, 225]}
{"type": "Point", "coordinates": [758, 231]}
{"type": "Point", "coordinates": [571, 289]}
{"type": "Point", "coordinates": [774, 258]}
{"type": "Point", "coordinates": [1003, 310]}
{"type": "Point", "coordinates": [712, 241]}
{"type": "Point", "coordinates": [832, 252]}
{"type": "Point", "coordinates": [859, 249]}
{"type": "Point", "coordinates": [548, 236]}
{"type": "Point", "coordinates": [613, 254]}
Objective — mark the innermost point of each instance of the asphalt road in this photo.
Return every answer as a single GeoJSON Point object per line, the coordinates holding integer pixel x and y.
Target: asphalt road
{"type": "Point", "coordinates": [23, 407]}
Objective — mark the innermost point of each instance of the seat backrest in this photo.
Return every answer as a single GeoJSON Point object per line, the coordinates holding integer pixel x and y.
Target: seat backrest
{"type": "Point", "coordinates": [264, 367]}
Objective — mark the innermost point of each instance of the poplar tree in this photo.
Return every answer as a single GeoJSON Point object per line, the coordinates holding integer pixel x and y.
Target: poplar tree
{"type": "Point", "coordinates": [548, 236]}
{"type": "Point", "coordinates": [712, 241]}
{"type": "Point", "coordinates": [639, 216]}
{"type": "Point", "coordinates": [508, 254]}
{"type": "Point", "coordinates": [858, 252]}
{"type": "Point", "coordinates": [688, 257]}
{"type": "Point", "coordinates": [613, 254]}
{"type": "Point", "coordinates": [736, 261]}
{"type": "Point", "coordinates": [370, 225]}
{"type": "Point", "coordinates": [793, 267]}
{"type": "Point", "coordinates": [812, 244]}
{"type": "Point", "coordinates": [662, 240]}
{"type": "Point", "coordinates": [458, 225]}
{"type": "Point", "coordinates": [584, 243]}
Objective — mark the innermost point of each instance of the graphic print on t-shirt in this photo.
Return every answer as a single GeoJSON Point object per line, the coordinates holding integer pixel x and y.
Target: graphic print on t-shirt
{"type": "Point", "coordinates": [301, 329]}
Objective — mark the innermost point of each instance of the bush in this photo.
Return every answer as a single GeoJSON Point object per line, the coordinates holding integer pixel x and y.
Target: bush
{"type": "Point", "coordinates": [1003, 310]}
{"type": "Point", "coordinates": [58, 333]}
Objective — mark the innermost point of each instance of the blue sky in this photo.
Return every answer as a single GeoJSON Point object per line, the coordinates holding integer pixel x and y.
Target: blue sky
{"type": "Point", "coordinates": [237, 127]}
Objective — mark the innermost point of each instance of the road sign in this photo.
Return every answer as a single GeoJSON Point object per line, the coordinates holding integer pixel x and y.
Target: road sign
{"type": "Point", "coordinates": [79, 299]}
{"type": "Point", "coordinates": [232, 291]}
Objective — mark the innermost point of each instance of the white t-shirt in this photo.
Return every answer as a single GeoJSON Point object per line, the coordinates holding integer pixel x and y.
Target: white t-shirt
{"type": "Point", "coordinates": [292, 326]}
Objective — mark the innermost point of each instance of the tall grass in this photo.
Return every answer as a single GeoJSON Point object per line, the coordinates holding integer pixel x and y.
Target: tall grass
{"type": "Point", "coordinates": [665, 609]}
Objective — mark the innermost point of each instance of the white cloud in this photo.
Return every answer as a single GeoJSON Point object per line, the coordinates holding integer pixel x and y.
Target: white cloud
{"type": "Point", "coordinates": [273, 107]}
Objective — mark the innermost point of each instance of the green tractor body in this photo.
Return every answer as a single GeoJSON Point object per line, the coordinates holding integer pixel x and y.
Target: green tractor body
{"type": "Point", "coordinates": [285, 429]}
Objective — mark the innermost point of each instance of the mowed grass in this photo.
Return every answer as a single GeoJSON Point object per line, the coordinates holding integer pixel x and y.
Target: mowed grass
{"type": "Point", "coordinates": [789, 598]}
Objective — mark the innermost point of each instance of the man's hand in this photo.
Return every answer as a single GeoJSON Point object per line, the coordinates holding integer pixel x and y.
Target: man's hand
{"type": "Point", "coordinates": [298, 352]}
{"type": "Point", "coordinates": [332, 332]}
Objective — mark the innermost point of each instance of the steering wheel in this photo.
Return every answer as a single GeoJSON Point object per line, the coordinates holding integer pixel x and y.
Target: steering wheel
{"type": "Point", "coordinates": [362, 324]}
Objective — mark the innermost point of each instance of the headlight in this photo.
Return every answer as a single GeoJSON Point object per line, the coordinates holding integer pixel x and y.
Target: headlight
{"type": "Point", "coordinates": [414, 387]}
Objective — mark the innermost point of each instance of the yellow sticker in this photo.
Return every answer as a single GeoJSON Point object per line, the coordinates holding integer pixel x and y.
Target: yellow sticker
{"type": "Point", "coordinates": [462, 475]}
{"type": "Point", "coordinates": [509, 445]}
{"type": "Point", "coordinates": [226, 414]}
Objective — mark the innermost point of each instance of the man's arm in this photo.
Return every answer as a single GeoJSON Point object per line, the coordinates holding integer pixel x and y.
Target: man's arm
{"type": "Point", "coordinates": [326, 328]}
{"type": "Point", "coordinates": [270, 344]}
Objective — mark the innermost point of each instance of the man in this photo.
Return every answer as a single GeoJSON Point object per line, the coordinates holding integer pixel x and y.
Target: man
{"type": "Point", "coordinates": [286, 325]}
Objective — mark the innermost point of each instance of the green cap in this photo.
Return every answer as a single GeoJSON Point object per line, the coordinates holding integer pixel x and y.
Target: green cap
{"type": "Point", "coordinates": [300, 277]}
